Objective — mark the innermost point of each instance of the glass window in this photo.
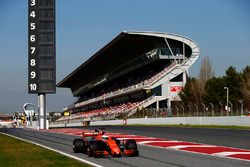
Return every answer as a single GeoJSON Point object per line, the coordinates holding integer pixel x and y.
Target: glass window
{"type": "Point", "coordinates": [46, 62]}
{"type": "Point", "coordinates": [46, 13]}
{"type": "Point", "coordinates": [46, 25]}
{"type": "Point", "coordinates": [48, 37]}
{"type": "Point", "coordinates": [46, 3]}
{"type": "Point", "coordinates": [46, 51]}
{"type": "Point", "coordinates": [165, 51]}
{"type": "Point", "coordinates": [46, 86]}
{"type": "Point", "coordinates": [46, 75]}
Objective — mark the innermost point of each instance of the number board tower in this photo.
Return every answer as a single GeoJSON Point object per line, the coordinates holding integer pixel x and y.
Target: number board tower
{"type": "Point", "coordinates": [41, 51]}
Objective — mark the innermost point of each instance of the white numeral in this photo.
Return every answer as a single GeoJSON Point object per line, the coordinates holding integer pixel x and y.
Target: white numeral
{"type": "Point", "coordinates": [32, 86]}
{"type": "Point", "coordinates": [33, 74]}
{"type": "Point", "coordinates": [33, 14]}
{"type": "Point", "coordinates": [32, 62]}
{"type": "Point", "coordinates": [33, 50]}
{"type": "Point", "coordinates": [33, 3]}
{"type": "Point", "coordinates": [32, 26]}
{"type": "Point", "coordinates": [33, 38]}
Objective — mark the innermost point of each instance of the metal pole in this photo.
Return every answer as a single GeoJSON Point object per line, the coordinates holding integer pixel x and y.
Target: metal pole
{"type": "Point", "coordinates": [227, 98]}
{"type": "Point", "coordinates": [169, 107]}
{"type": "Point", "coordinates": [221, 109]}
{"type": "Point", "coordinates": [204, 108]}
{"type": "Point", "coordinates": [182, 110]}
{"type": "Point", "coordinates": [197, 109]}
{"type": "Point", "coordinates": [157, 108]}
{"type": "Point", "coordinates": [241, 107]}
{"type": "Point", "coordinates": [189, 106]}
{"type": "Point", "coordinates": [42, 111]}
{"type": "Point", "coordinates": [231, 108]}
{"type": "Point", "coordinates": [177, 114]}
{"type": "Point", "coordinates": [212, 108]}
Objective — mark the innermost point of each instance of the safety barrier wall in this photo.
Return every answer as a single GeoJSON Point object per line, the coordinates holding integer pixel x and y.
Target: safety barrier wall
{"type": "Point", "coordinates": [223, 120]}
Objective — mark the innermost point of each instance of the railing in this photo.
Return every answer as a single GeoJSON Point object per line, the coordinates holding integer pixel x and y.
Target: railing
{"type": "Point", "coordinates": [140, 85]}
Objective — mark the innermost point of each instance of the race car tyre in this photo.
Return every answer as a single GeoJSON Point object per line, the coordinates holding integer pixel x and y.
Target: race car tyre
{"type": "Point", "coordinates": [92, 147]}
{"type": "Point", "coordinates": [131, 145]}
{"type": "Point", "coordinates": [78, 145]}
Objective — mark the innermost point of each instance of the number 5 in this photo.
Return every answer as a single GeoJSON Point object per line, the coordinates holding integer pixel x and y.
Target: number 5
{"type": "Point", "coordinates": [32, 26]}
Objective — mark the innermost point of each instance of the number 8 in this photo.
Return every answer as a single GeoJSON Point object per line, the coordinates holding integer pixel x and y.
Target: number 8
{"type": "Point", "coordinates": [32, 62]}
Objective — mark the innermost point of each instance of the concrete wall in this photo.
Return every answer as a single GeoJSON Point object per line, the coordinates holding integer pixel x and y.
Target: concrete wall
{"type": "Point", "coordinates": [233, 120]}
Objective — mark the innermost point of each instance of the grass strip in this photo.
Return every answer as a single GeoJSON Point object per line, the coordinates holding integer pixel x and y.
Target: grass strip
{"type": "Point", "coordinates": [17, 153]}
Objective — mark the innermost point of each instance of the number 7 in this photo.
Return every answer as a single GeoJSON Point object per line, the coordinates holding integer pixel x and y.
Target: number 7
{"type": "Point", "coordinates": [33, 50]}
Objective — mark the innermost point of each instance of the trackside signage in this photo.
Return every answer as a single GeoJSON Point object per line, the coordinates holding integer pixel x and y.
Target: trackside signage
{"type": "Point", "coordinates": [41, 47]}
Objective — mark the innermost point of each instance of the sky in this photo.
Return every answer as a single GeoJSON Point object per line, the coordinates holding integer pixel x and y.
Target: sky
{"type": "Point", "coordinates": [220, 27]}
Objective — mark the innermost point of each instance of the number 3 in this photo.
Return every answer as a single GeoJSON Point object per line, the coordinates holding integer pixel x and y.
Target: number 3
{"type": "Point", "coordinates": [33, 3]}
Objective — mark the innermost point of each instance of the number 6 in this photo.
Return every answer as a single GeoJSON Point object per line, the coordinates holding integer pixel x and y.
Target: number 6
{"type": "Point", "coordinates": [33, 38]}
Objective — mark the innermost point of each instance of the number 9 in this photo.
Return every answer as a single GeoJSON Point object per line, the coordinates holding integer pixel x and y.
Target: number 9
{"type": "Point", "coordinates": [33, 74]}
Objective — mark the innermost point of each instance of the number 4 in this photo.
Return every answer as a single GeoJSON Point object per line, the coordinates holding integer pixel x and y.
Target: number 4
{"type": "Point", "coordinates": [33, 14]}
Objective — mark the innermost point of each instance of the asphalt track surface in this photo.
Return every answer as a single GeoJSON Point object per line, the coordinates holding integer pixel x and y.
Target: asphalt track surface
{"type": "Point", "coordinates": [150, 156]}
{"type": "Point", "coordinates": [222, 137]}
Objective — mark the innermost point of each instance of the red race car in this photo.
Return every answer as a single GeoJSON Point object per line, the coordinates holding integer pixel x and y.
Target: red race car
{"type": "Point", "coordinates": [98, 144]}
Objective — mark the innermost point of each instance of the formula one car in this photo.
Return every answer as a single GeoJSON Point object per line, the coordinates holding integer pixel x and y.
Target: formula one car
{"type": "Point", "coordinates": [98, 144]}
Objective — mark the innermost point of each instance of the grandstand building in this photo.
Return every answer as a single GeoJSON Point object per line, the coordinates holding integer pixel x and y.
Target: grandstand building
{"type": "Point", "coordinates": [135, 70]}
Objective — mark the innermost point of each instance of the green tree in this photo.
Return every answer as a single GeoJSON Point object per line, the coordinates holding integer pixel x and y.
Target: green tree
{"type": "Point", "coordinates": [233, 82]}
{"type": "Point", "coordinates": [245, 86]}
{"type": "Point", "coordinates": [191, 93]}
{"type": "Point", "coordinates": [245, 79]}
{"type": "Point", "coordinates": [214, 91]}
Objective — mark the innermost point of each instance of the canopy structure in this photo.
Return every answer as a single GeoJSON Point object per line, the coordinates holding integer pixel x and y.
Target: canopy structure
{"type": "Point", "coordinates": [126, 46]}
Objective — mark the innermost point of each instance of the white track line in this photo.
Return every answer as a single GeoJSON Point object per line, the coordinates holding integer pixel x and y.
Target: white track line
{"type": "Point", "coordinates": [228, 153]}
{"type": "Point", "coordinates": [152, 141]}
{"type": "Point", "coordinates": [135, 138]}
{"type": "Point", "coordinates": [65, 154]}
{"type": "Point", "coordinates": [187, 146]}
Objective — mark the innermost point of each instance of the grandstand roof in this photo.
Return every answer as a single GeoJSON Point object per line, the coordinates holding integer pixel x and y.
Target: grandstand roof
{"type": "Point", "coordinates": [126, 46]}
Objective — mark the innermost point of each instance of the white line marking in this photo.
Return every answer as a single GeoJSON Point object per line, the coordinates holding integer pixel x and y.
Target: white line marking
{"type": "Point", "coordinates": [152, 141]}
{"type": "Point", "coordinates": [135, 138]}
{"type": "Point", "coordinates": [228, 153]}
{"type": "Point", "coordinates": [65, 154]}
{"type": "Point", "coordinates": [186, 146]}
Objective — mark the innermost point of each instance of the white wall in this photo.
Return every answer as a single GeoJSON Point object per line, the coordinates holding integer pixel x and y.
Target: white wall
{"type": "Point", "coordinates": [232, 120]}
